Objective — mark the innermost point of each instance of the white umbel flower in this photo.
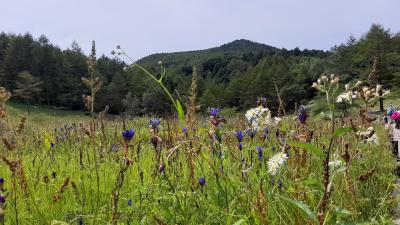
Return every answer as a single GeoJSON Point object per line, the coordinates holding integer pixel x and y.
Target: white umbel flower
{"type": "Point", "coordinates": [258, 116]}
{"type": "Point", "coordinates": [275, 162]}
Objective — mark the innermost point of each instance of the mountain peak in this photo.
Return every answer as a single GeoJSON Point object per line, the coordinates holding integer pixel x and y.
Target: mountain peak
{"type": "Point", "coordinates": [244, 45]}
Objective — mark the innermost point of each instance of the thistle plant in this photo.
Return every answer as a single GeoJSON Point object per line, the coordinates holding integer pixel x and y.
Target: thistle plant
{"type": "Point", "coordinates": [159, 81]}
{"type": "Point", "coordinates": [328, 86]}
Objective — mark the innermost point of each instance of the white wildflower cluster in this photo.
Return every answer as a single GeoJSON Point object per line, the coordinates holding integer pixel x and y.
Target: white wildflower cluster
{"type": "Point", "coordinates": [325, 83]}
{"type": "Point", "coordinates": [258, 116]}
{"type": "Point", "coordinates": [275, 162]}
{"type": "Point", "coordinates": [369, 136]}
{"type": "Point", "coordinates": [349, 94]}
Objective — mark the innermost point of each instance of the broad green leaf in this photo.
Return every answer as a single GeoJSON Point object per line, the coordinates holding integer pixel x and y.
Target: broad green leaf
{"type": "Point", "coordinates": [179, 109]}
{"type": "Point", "coordinates": [341, 212]}
{"type": "Point", "coordinates": [303, 208]}
{"type": "Point", "coordinates": [241, 221]}
{"type": "Point", "coordinates": [56, 222]}
{"type": "Point", "coordinates": [341, 131]}
{"type": "Point", "coordinates": [311, 182]}
{"type": "Point", "coordinates": [307, 146]}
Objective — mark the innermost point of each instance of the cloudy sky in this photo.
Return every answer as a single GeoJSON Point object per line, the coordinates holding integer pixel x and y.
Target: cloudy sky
{"type": "Point", "coordinates": [149, 26]}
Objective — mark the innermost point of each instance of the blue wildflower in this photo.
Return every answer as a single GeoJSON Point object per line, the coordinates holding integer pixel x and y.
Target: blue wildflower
{"type": "Point", "coordinates": [1, 180]}
{"type": "Point", "coordinates": [265, 134]}
{"type": "Point", "coordinates": [280, 184]}
{"type": "Point", "coordinates": [130, 202]}
{"type": "Point", "coordinates": [202, 181]}
{"type": "Point", "coordinates": [273, 149]}
{"type": "Point", "coordinates": [303, 114]}
{"type": "Point", "coordinates": [184, 130]}
{"type": "Point", "coordinates": [251, 132]}
{"type": "Point", "coordinates": [52, 145]}
{"type": "Point", "coordinates": [154, 123]}
{"type": "Point", "coordinates": [260, 152]}
{"type": "Point", "coordinates": [128, 134]}
{"type": "Point", "coordinates": [214, 112]}
{"type": "Point", "coordinates": [2, 199]}
{"type": "Point", "coordinates": [239, 135]}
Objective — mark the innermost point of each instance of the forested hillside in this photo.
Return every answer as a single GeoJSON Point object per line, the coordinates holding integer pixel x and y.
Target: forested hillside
{"type": "Point", "coordinates": [232, 75]}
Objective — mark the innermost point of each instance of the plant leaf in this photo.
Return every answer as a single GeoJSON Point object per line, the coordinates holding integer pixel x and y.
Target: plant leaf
{"type": "Point", "coordinates": [341, 212]}
{"type": "Point", "coordinates": [241, 221]}
{"type": "Point", "coordinates": [341, 131]}
{"type": "Point", "coordinates": [307, 146]}
{"type": "Point", "coordinates": [303, 208]}
{"type": "Point", "coordinates": [179, 109]}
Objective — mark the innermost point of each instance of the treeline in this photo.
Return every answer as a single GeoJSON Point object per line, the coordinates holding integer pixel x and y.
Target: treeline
{"type": "Point", "coordinates": [232, 75]}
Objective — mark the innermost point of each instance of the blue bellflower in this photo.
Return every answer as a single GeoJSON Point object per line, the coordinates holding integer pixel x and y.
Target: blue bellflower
{"type": "Point", "coordinates": [154, 123]}
{"type": "Point", "coordinates": [239, 135]}
{"type": "Point", "coordinates": [251, 132]}
{"type": "Point", "coordinates": [202, 181]}
{"type": "Point", "coordinates": [260, 152]}
{"type": "Point", "coordinates": [214, 112]}
{"type": "Point", "coordinates": [303, 114]}
{"type": "Point", "coordinates": [128, 134]}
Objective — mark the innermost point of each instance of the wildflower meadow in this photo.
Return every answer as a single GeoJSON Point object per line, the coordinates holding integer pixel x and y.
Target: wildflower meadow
{"type": "Point", "coordinates": [256, 166]}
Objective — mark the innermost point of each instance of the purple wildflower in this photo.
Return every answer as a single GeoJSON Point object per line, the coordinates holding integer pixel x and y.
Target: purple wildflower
{"type": "Point", "coordinates": [280, 184]}
{"type": "Point", "coordinates": [260, 152]}
{"type": "Point", "coordinates": [154, 123]}
{"type": "Point", "coordinates": [130, 202]}
{"type": "Point", "coordinates": [128, 134]}
{"type": "Point", "coordinates": [214, 112]}
{"type": "Point", "coordinates": [202, 181]}
{"type": "Point", "coordinates": [184, 130]}
{"type": "Point", "coordinates": [239, 135]}
{"type": "Point", "coordinates": [251, 132]}
{"type": "Point", "coordinates": [303, 114]}
{"type": "Point", "coordinates": [2, 199]}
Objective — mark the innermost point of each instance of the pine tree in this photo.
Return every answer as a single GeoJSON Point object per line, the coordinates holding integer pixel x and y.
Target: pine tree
{"type": "Point", "coordinates": [27, 87]}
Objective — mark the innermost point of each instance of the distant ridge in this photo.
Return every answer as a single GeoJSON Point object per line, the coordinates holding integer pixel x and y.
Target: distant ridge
{"type": "Point", "coordinates": [236, 47]}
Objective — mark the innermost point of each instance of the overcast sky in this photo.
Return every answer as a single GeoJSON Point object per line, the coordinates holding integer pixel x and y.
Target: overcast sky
{"type": "Point", "coordinates": [150, 26]}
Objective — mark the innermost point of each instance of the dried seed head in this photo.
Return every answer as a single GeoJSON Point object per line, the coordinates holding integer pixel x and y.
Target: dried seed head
{"type": "Point", "coordinates": [21, 125]}
{"type": "Point", "coordinates": [9, 145]}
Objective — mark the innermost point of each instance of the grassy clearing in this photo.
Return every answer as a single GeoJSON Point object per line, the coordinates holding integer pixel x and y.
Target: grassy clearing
{"type": "Point", "coordinates": [238, 187]}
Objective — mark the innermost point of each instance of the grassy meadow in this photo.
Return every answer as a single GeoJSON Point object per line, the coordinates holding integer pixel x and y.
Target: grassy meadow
{"type": "Point", "coordinates": [65, 168]}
